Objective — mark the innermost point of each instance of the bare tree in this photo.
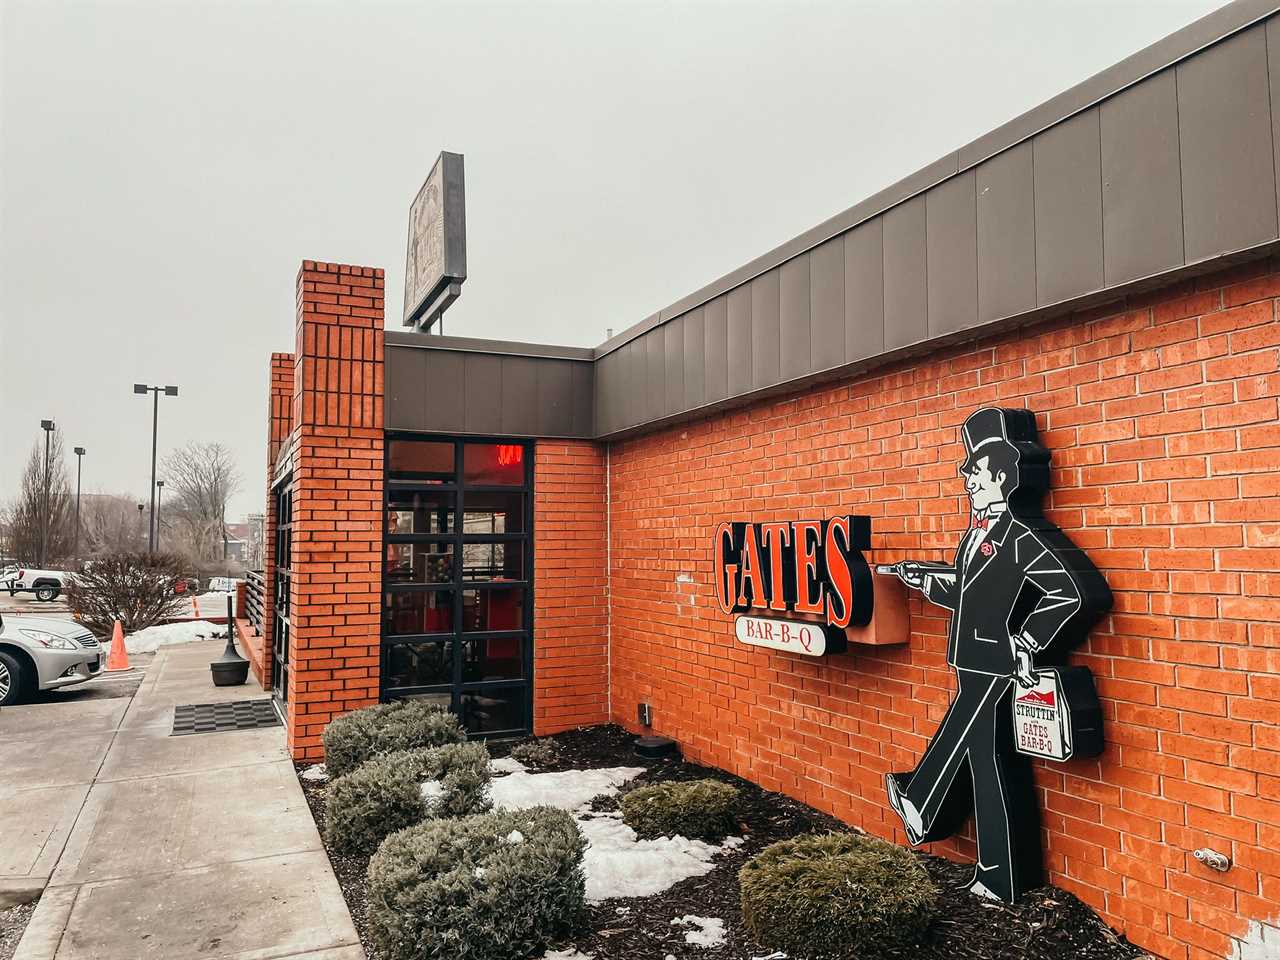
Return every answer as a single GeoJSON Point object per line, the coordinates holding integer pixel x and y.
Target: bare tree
{"type": "Point", "coordinates": [135, 588]}
{"type": "Point", "coordinates": [199, 478]}
{"type": "Point", "coordinates": [111, 524]}
{"type": "Point", "coordinates": [39, 522]}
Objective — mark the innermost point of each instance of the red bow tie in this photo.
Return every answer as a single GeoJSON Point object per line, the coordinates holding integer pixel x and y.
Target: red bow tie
{"type": "Point", "coordinates": [980, 523]}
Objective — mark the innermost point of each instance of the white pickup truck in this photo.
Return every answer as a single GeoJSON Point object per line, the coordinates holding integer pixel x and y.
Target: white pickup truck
{"type": "Point", "coordinates": [45, 584]}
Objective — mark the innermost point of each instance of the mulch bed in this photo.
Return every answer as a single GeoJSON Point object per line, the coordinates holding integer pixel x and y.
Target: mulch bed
{"type": "Point", "coordinates": [12, 923]}
{"type": "Point", "coordinates": [1046, 924]}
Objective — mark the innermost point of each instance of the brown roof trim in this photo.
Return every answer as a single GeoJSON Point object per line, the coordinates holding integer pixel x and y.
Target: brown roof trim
{"type": "Point", "coordinates": [430, 341]}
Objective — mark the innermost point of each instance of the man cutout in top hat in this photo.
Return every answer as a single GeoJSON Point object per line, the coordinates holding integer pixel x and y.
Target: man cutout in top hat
{"type": "Point", "coordinates": [1018, 590]}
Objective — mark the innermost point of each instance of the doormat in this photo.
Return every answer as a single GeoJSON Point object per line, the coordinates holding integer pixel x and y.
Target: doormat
{"type": "Point", "coordinates": [191, 718]}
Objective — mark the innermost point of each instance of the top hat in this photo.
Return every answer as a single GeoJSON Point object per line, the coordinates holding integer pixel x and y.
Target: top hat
{"type": "Point", "coordinates": [984, 432]}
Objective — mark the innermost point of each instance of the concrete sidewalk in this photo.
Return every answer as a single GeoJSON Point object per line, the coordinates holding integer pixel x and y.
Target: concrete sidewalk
{"type": "Point", "coordinates": [181, 846]}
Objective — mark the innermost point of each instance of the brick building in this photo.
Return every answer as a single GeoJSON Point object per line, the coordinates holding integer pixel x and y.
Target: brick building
{"type": "Point", "coordinates": [525, 532]}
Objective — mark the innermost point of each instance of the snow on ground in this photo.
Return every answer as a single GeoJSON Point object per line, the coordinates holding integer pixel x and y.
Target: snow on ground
{"type": "Point", "coordinates": [707, 932]}
{"type": "Point", "coordinates": [167, 634]}
{"type": "Point", "coordinates": [317, 771]}
{"type": "Point", "coordinates": [211, 604]}
{"type": "Point", "coordinates": [507, 765]}
{"type": "Point", "coordinates": [569, 954]}
{"type": "Point", "coordinates": [566, 790]}
{"type": "Point", "coordinates": [617, 863]}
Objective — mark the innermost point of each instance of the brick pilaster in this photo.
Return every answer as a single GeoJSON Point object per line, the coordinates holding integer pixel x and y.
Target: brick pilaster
{"type": "Point", "coordinates": [571, 626]}
{"type": "Point", "coordinates": [279, 426]}
{"type": "Point", "coordinates": [337, 499]}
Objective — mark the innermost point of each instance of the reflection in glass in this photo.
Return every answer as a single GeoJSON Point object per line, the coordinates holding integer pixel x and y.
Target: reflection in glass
{"type": "Point", "coordinates": [419, 664]}
{"type": "Point", "coordinates": [442, 700]}
{"type": "Point", "coordinates": [493, 464]}
{"type": "Point", "coordinates": [485, 610]}
{"type": "Point", "coordinates": [420, 456]}
{"type": "Point", "coordinates": [493, 561]}
{"type": "Point", "coordinates": [494, 658]}
{"type": "Point", "coordinates": [419, 563]}
{"type": "Point", "coordinates": [501, 708]}
{"type": "Point", "coordinates": [493, 513]}
{"type": "Point", "coordinates": [428, 611]}
{"type": "Point", "coordinates": [420, 511]}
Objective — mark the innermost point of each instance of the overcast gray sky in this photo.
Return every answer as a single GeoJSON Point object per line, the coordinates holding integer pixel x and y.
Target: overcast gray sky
{"type": "Point", "coordinates": [164, 167]}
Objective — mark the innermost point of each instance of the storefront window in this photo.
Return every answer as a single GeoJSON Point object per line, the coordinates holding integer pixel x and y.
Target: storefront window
{"type": "Point", "coordinates": [456, 621]}
{"type": "Point", "coordinates": [489, 512]}
{"type": "Point", "coordinates": [420, 511]}
{"type": "Point", "coordinates": [494, 709]}
{"type": "Point", "coordinates": [419, 563]}
{"type": "Point", "coordinates": [429, 461]}
{"type": "Point", "coordinates": [494, 464]}
{"type": "Point", "coordinates": [421, 664]}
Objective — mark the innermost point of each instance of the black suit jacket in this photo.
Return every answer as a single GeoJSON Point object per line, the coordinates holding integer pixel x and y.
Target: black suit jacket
{"type": "Point", "coordinates": [1016, 583]}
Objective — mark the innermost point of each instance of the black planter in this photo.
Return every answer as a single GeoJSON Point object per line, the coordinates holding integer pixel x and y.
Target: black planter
{"type": "Point", "coordinates": [229, 673]}
{"type": "Point", "coordinates": [230, 669]}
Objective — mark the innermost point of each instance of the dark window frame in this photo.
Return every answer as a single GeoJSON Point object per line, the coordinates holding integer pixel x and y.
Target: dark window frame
{"type": "Point", "coordinates": [456, 636]}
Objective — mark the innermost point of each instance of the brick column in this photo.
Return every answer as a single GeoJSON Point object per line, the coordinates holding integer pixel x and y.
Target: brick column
{"type": "Point", "coordinates": [279, 426]}
{"type": "Point", "coordinates": [337, 499]}
{"type": "Point", "coordinates": [571, 615]}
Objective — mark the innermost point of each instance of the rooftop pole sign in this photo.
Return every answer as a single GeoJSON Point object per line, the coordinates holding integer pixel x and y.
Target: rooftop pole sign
{"type": "Point", "coordinates": [436, 252]}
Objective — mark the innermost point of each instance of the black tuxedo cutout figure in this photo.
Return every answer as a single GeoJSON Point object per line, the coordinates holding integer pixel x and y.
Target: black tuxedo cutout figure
{"type": "Point", "coordinates": [1020, 594]}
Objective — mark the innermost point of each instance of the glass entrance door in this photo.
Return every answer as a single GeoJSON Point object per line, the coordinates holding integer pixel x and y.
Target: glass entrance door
{"type": "Point", "coordinates": [280, 608]}
{"type": "Point", "coordinates": [457, 616]}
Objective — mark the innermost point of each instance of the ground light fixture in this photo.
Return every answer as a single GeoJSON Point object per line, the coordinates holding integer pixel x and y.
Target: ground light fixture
{"type": "Point", "coordinates": [155, 392]}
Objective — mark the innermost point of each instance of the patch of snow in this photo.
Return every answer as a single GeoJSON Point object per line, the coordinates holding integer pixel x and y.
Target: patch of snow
{"type": "Point", "coordinates": [169, 634]}
{"type": "Point", "coordinates": [514, 837]}
{"type": "Point", "coordinates": [507, 765]}
{"type": "Point", "coordinates": [569, 954]}
{"type": "Point", "coordinates": [708, 931]}
{"type": "Point", "coordinates": [316, 772]}
{"type": "Point", "coordinates": [1260, 942]}
{"type": "Point", "coordinates": [432, 790]}
{"type": "Point", "coordinates": [617, 864]}
{"type": "Point", "coordinates": [567, 790]}
{"type": "Point", "coordinates": [733, 843]}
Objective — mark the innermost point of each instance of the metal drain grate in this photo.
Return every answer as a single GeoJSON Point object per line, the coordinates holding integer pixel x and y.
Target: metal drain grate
{"type": "Point", "coordinates": [191, 718]}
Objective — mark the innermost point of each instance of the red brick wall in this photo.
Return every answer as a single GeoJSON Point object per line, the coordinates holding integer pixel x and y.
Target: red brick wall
{"type": "Point", "coordinates": [571, 639]}
{"type": "Point", "coordinates": [337, 499]}
{"type": "Point", "coordinates": [1162, 418]}
{"type": "Point", "coordinates": [279, 426]}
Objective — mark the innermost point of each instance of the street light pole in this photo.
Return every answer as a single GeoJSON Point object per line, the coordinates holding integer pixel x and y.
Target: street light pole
{"type": "Point", "coordinates": [142, 388]}
{"type": "Point", "coordinates": [47, 427]}
{"type": "Point", "coordinates": [79, 451]}
{"type": "Point", "coordinates": [159, 498]}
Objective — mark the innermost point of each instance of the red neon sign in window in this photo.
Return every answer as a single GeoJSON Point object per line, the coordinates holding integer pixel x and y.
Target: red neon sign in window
{"type": "Point", "coordinates": [509, 454]}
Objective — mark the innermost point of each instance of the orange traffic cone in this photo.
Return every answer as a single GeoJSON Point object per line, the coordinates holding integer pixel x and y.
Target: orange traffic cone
{"type": "Point", "coordinates": [118, 658]}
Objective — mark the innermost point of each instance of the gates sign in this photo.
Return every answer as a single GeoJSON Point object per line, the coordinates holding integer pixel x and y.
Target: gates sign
{"type": "Point", "coordinates": [812, 569]}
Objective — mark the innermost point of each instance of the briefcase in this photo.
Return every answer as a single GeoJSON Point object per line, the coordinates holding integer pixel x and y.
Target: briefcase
{"type": "Point", "coordinates": [1059, 717]}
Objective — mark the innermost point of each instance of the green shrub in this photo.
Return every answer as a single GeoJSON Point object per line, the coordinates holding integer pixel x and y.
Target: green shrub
{"type": "Point", "coordinates": [361, 735]}
{"type": "Point", "coordinates": [386, 794]}
{"type": "Point", "coordinates": [836, 895]}
{"type": "Point", "coordinates": [697, 809]}
{"type": "Point", "coordinates": [535, 753]}
{"type": "Point", "coordinates": [496, 886]}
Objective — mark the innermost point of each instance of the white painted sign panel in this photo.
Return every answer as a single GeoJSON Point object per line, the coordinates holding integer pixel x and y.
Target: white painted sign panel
{"type": "Point", "coordinates": [1041, 725]}
{"type": "Point", "coordinates": [789, 635]}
